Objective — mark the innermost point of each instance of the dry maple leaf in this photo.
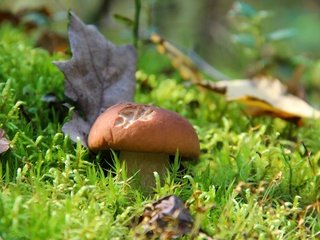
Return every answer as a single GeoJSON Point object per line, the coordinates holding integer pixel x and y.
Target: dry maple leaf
{"type": "Point", "coordinates": [266, 94]}
{"type": "Point", "coordinates": [4, 142]}
{"type": "Point", "coordinates": [98, 75]}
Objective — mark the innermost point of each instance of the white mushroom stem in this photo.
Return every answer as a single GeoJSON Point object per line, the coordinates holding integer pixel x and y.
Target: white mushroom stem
{"type": "Point", "coordinates": [145, 164]}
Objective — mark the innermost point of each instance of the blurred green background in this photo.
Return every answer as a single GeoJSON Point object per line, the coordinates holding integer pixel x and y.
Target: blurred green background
{"type": "Point", "coordinates": [204, 27]}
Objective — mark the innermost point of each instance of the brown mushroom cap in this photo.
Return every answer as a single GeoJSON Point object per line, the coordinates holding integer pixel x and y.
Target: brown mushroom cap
{"type": "Point", "coordinates": [143, 128]}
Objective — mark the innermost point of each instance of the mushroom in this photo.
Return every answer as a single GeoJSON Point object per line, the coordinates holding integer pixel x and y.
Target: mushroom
{"type": "Point", "coordinates": [145, 135]}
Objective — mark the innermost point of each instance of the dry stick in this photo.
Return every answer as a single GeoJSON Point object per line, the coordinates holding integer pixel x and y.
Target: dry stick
{"type": "Point", "coordinates": [184, 61]}
{"type": "Point", "coordinates": [207, 68]}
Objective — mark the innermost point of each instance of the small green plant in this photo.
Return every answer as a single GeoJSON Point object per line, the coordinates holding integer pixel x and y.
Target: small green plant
{"type": "Point", "coordinates": [264, 51]}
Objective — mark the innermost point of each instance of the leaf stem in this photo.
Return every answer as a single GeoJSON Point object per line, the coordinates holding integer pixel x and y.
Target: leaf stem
{"type": "Point", "coordinates": [136, 22]}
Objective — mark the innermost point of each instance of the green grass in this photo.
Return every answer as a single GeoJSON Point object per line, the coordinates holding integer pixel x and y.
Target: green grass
{"type": "Point", "coordinates": [254, 179]}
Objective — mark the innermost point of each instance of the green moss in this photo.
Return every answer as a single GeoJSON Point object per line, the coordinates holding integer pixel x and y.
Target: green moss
{"type": "Point", "coordinates": [254, 179]}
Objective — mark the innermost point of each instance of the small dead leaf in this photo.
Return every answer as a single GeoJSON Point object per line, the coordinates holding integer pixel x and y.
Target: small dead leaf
{"type": "Point", "coordinates": [33, 19]}
{"type": "Point", "coordinates": [4, 142]}
{"type": "Point", "coordinates": [269, 95]}
{"type": "Point", "coordinates": [98, 75]}
{"type": "Point", "coordinates": [166, 218]}
{"type": "Point", "coordinates": [35, 13]}
{"type": "Point", "coordinates": [53, 42]}
{"type": "Point", "coordinates": [6, 16]}
{"type": "Point", "coordinates": [30, 18]}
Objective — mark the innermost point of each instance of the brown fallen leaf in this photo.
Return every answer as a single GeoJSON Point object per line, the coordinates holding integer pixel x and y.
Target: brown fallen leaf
{"type": "Point", "coordinates": [53, 42]}
{"type": "Point", "coordinates": [98, 75]}
{"type": "Point", "coordinates": [29, 18]}
{"type": "Point", "coordinates": [4, 142]}
{"type": "Point", "coordinates": [37, 19]}
{"type": "Point", "coordinates": [266, 94]}
{"type": "Point", "coordinates": [166, 218]}
{"type": "Point", "coordinates": [6, 16]}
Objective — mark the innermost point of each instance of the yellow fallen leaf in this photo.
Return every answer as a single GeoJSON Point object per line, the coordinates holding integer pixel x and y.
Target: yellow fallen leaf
{"type": "Point", "coordinates": [267, 94]}
{"type": "Point", "coordinates": [264, 95]}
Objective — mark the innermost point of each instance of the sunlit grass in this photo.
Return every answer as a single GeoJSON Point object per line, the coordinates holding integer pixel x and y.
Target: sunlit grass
{"type": "Point", "coordinates": [257, 178]}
